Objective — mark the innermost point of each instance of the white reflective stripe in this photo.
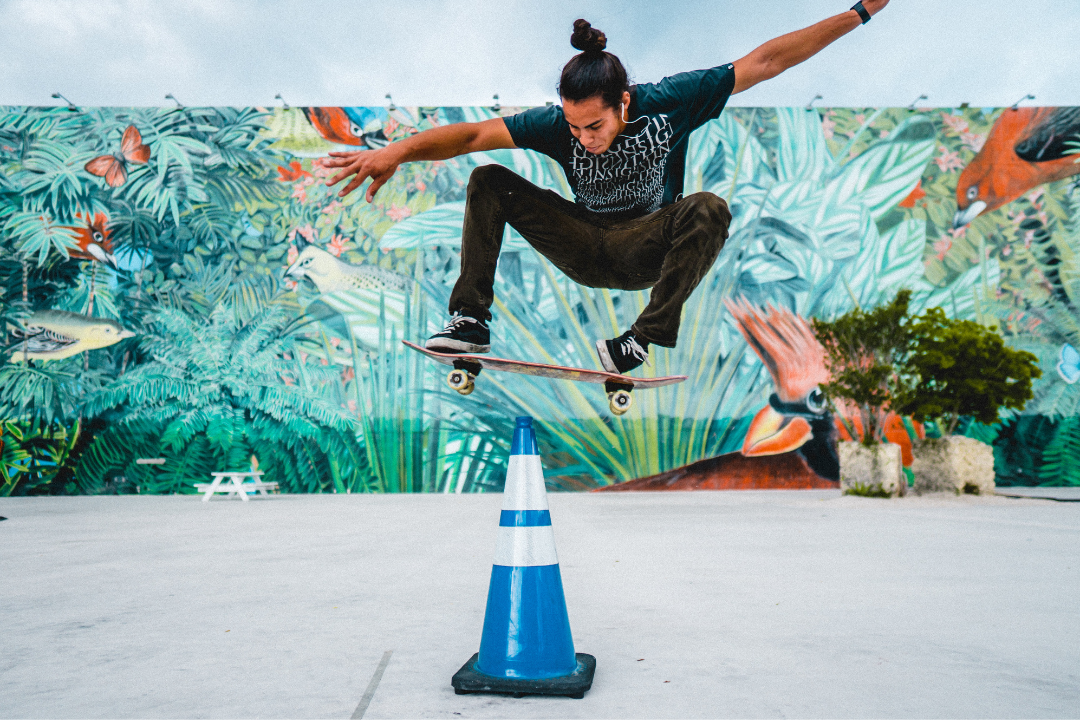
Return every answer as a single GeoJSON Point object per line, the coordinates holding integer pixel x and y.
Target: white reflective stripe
{"type": "Point", "coordinates": [525, 546]}
{"type": "Point", "coordinates": [524, 488]}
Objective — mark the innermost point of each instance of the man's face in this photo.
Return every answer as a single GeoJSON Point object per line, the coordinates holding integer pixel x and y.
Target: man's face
{"type": "Point", "coordinates": [593, 123]}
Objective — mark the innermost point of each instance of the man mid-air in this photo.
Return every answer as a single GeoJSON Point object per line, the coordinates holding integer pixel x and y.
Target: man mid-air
{"type": "Point", "coordinates": [623, 149]}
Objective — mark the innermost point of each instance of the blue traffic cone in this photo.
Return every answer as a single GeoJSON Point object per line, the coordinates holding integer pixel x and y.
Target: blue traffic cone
{"type": "Point", "coordinates": [526, 646]}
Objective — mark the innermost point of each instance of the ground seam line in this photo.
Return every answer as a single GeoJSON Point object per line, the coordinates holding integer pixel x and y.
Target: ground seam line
{"type": "Point", "coordinates": [370, 692]}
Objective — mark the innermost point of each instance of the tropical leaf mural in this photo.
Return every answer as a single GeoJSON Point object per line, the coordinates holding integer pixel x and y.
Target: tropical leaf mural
{"type": "Point", "coordinates": [209, 299]}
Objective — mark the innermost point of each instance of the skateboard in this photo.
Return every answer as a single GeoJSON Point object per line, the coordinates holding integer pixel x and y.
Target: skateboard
{"type": "Point", "coordinates": [466, 367]}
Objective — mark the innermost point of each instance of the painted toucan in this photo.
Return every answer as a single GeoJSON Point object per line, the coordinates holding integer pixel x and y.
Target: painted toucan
{"type": "Point", "coordinates": [1026, 148]}
{"type": "Point", "coordinates": [791, 442]}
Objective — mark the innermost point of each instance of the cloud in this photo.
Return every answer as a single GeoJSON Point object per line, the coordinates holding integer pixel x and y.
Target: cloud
{"type": "Point", "coordinates": [227, 52]}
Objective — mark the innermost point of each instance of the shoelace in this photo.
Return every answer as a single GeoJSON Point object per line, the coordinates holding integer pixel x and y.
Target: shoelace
{"type": "Point", "coordinates": [457, 320]}
{"type": "Point", "coordinates": [630, 346]}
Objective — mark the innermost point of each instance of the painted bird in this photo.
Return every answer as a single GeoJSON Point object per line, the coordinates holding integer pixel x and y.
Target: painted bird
{"type": "Point", "coordinates": [58, 334]}
{"type": "Point", "coordinates": [93, 239]}
{"type": "Point", "coordinates": [329, 274]}
{"type": "Point", "coordinates": [1025, 148]}
{"type": "Point", "coordinates": [790, 442]}
{"type": "Point", "coordinates": [349, 125]}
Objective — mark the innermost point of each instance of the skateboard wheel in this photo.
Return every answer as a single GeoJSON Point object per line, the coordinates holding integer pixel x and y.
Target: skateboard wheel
{"type": "Point", "coordinates": [467, 390]}
{"type": "Point", "coordinates": [459, 380]}
{"type": "Point", "coordinates": [620, 401]}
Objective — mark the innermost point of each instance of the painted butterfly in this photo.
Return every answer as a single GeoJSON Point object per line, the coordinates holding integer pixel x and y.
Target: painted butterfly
{"type": "Point", "coordinates": [1068, 366]}
{"type": "Point", "coordinates": [114, 167]}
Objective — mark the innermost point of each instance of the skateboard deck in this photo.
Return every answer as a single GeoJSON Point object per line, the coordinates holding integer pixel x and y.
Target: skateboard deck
{"type": "Point", "coordinates": [467, 367]}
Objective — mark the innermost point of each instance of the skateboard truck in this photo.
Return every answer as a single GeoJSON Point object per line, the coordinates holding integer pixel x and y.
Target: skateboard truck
{"type": "Point", "coordinates": [462, 377]}
{"type": "Point", "coordinates": [618, 395]}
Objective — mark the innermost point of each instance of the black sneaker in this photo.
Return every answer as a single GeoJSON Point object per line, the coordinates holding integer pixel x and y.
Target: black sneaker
{"type": "Point", "coordinates": [622, 354]}
{"type": "Point", "coordinates": [463, 334]}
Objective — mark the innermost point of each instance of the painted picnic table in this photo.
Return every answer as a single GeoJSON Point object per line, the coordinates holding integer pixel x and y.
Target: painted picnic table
{"type": "Point", "coordinates": [235, 484]}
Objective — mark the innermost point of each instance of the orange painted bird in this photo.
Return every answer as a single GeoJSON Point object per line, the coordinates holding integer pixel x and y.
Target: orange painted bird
{"type": "Point", "coordinates": [1026, 148]}
{"type": "Point", "coordinates": [93, 239]}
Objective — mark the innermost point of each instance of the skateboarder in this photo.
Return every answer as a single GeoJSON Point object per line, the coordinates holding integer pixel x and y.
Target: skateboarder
{"type": "Point", "coordinates": [623, 149]}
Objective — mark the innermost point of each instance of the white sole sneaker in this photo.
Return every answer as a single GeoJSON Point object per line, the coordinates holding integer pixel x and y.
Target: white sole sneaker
{"type": "Point", "coordinates": [450, 345]}
{"type": "Point", "coordinates": [605, 358]}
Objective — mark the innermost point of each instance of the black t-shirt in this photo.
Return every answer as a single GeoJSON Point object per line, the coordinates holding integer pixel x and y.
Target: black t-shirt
{"type": "Point", "coordinates": [643, 169]}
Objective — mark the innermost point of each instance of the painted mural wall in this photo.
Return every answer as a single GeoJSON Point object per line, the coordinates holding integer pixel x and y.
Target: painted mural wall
{"type": "Point", "coordinates": [180, 285]}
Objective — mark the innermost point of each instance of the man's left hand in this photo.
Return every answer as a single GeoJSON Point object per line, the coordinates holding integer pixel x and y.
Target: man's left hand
{"type": "Point", "coordinates": [874, 6]}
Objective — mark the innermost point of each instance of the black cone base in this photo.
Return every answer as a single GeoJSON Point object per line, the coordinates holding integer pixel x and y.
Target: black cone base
{"type": "Point", "coordinates": [470, 680]}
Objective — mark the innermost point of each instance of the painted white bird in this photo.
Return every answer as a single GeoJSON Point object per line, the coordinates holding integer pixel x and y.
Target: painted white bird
{"type": "Point", "coordinates": [58, 334]}
{"type": "Point", "coordinates": [331, 274]}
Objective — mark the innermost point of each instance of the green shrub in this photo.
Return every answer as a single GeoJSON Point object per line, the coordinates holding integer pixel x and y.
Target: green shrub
{"type": "Point", "coordinates": [964, 369]}
{"type": "Point", "coordinates": [865, 352]}
{"type": "Point", "coordinates": [929, 367]}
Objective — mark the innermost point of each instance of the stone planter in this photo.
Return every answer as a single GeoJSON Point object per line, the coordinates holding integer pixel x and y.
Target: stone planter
{"type": "Point", "coordinates": [875, 471]}
{"type": "Point", "coordinates": [953, 464]}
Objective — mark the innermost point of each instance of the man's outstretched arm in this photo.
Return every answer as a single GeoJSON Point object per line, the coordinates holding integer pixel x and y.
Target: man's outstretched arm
{"type": "Point", "coordinates": [777, 55]}
{"type": "Point", "coordinates": [439, 143]}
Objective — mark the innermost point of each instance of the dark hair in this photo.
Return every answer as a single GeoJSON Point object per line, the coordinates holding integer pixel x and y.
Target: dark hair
{"type": "Point", "coordinates": [592, 71]}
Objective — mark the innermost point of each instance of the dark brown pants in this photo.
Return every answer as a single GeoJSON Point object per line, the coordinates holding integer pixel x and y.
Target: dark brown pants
{"type": "Point", "coordinates": [669, 250]}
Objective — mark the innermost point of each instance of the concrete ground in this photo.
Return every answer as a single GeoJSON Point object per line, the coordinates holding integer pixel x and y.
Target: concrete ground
{"type": "Point", "coordinates": [710, 604]}
{"type": "Point", "coordinates": [1061, 494]}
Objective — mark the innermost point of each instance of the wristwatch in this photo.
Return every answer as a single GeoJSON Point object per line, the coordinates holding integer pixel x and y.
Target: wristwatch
{"type": "Point", "coordinates": [857, 7]}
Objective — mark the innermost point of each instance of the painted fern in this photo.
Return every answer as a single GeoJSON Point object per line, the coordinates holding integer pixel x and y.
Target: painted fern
{"type": "Point", "coordinates": [1061, 458]}
{"type": "Point", "coordinates": [215, 393]}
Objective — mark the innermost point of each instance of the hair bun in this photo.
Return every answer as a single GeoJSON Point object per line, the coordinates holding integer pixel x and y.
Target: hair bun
{"type": "Point", "coordinates": [588, 39]}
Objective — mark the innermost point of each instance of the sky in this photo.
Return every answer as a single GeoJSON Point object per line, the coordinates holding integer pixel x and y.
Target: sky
{"type": "Point", "coordinates": [462, 52]}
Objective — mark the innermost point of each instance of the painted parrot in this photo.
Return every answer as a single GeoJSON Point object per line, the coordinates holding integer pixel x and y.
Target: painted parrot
{"type": "Point", "coordinates": [359, 126]}
{"type": "Point", "coordinates": [1026, 148]}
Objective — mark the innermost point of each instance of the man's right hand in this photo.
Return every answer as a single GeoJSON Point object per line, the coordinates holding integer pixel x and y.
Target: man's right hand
{"type": "Point", "coordinates": [439, 143]}
{"type": "Point", "coordinates": [379, 165]}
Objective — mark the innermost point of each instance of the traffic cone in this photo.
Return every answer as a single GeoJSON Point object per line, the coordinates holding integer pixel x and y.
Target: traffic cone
{"type": "Point", "coordinates": [526, 647]}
